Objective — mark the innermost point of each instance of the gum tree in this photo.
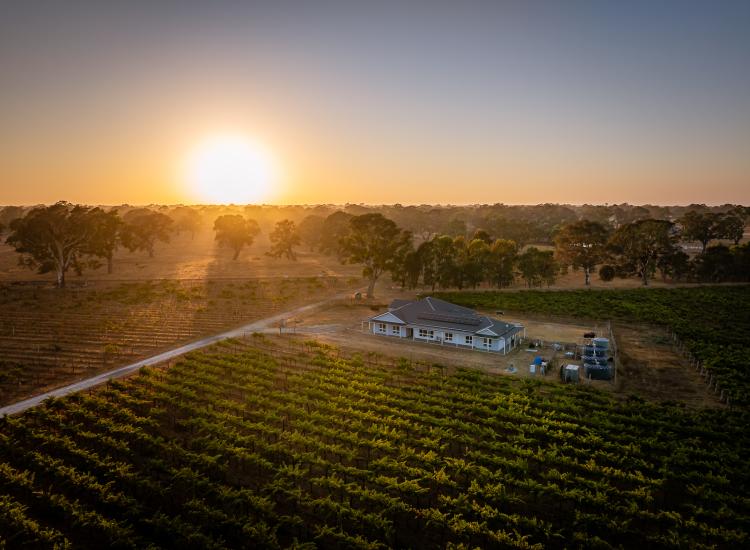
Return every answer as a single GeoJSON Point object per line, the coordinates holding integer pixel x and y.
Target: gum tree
{"type": "Point", "coordinates": [582, 245]}
{"type": "Point", "coordinates": [236, 232]}
{"type": "Point", "coordinates": [375, 242]}
{"type": "Point", "coordinates": [54, 238]}
{"type": "Point", "coordinates": [636, 248]}
{"type": "Point", "coordinates": [143, 229]}
{"type": "Point", "coordinates": [284, 238]}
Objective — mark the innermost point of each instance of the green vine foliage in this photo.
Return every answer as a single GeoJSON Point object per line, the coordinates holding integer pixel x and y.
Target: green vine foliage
{"type": "Point", "coordinates": [265, 445]}
{"type": "Point", "coordinates": [711, 322]}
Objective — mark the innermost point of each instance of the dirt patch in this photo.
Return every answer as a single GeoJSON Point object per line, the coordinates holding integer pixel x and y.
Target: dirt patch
{"type": "Point", "coordinates": [651, 368]}
{"type": "Point", "coordinates": [343, 324]}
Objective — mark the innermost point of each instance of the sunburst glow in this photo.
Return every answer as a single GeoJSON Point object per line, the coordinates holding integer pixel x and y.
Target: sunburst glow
{"type": "Point", "coordinates": [231, 169]}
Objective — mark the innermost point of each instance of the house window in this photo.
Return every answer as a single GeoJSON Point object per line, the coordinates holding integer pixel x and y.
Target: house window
{"type": "Point", "coordinates": [424, 333]}
{"type": "Point", "coordinates": [469, 340]}
{"type": "Point", "coordinates": [448, 337]}
{"type": "Point", "coordinates": [380, 327]}
{"type": "Point", "coordinates": [487, 342]}
{"type": "Point", "coordinates": [395, 329]}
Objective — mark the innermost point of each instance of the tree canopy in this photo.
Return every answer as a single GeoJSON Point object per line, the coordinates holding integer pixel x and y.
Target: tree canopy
{"type": "Point", "coordinates": [144, 228]}
{"type": "Point", "coordinates": [375, 242]}
{"type": "Point", "coordinates": [705, 227]}
{"type": "Point", "coordinates": [284, 238]}
{"type": "Point", "coordinates": [235, 232]}
{"type": "Point", "coordinates": [187, 219]}
{"type": "Point", "coordinates": [334, 229]}
{"type": "Point", "coordinates": [636, 247]}
{"type": "Point", "coordinates": [537, 266]}
{"type": "Point", "coordinates": [105, 238]}
{"type": "Point", "coordinates": [582, 245]}
{"type": "Point", "coordinates": [54, 238]}
{"type": "Point", "coordinates": [310, 229]}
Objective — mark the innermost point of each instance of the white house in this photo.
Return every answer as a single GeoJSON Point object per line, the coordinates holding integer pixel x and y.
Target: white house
{"type": "Point", "coordinates": [438, 321]}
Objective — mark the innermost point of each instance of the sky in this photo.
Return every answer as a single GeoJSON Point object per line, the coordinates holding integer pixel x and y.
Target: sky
{"type": "Point", "coordinates": [379, 102]}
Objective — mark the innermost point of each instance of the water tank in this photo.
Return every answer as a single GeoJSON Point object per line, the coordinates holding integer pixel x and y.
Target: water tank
{"type": "Point", "coordinates": [571, 373]}
{"type": "Point", "coordinates": [601, 343]}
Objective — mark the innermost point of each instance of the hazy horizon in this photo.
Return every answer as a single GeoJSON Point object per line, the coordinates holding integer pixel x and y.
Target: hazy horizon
{"type": "Point", "coordinates": [409, 102]}
{"type": "Point", "coordinates": [372, 205]}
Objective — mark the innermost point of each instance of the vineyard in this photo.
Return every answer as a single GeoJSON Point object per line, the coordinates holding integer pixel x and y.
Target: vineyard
{"type": "Point", "coordinates": [278, 443]}
{"type": "Point", "coordinates": [50, 336]}
{"type": "Point", "coordinates": [712, 323]}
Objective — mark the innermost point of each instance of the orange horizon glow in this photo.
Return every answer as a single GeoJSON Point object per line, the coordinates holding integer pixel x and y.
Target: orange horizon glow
{"type": "Point", "coordinates": [501, 103]}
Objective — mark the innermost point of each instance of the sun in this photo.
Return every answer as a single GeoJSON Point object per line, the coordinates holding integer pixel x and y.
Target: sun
{"type": "Point", "coordinates": [228, 168]}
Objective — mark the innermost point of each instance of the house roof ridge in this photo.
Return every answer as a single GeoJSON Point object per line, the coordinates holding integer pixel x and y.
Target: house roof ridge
{"type": "Point", "coordinates": [408, 303]}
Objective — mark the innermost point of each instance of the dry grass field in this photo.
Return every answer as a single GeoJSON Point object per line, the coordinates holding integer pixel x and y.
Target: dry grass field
{"type": "Point", "coordinates": [191, 258]}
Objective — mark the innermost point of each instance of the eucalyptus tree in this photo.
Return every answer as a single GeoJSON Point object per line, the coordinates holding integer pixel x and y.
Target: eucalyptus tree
{"type": "Point", "coordinates": [582, 245]}
{"type": "Point", "coordinates": [143, 228]}
{"type": "Point", "coordinates": [334, 228]}
{"type": "Point", "coordinates": [105, 238]}
{"type": "Point", "coordinates": [732, 226]}
{"type": "Point", "coordinates": [375, 242]}
{"type": "Point", "coordinates": [477, 262]}
{"type": "Point", "coordinates": [501, 262]}
{"type": "Point", "coordinates": [235, 232]}
{"type": "Point", "coordinates": [701, 226]}
{"type": "Point", "coordinates": [445, 260]}
{"type": "Point", "coordinates": [54, 238]}
{"type": "Point", "coordinates": [310, 229]}
{"type": "Point", "coordinates": [187, 219]}
{"type": "Point", "coordinates": [537, 266]}
{"type": "Point", "coordinates": [284, 238]}
{"type": "Point", "coordinates": [636, 248]}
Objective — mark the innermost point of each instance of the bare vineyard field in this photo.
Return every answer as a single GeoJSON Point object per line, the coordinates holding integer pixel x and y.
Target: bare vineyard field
{"type": "Point", "coordinates": [50, 336]}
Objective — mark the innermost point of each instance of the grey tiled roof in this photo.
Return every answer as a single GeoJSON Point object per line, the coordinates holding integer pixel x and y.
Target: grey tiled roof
{"type": "Point", "coordinates": [435, 313]}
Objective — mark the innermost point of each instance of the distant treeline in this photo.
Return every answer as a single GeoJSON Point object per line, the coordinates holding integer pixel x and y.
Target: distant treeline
{"type": "Point", "coordinates": [443, 247]}
{"type": "Point", "coordinates": [490, 256]}
{"type": "Point", "coordinates": [525, 224]}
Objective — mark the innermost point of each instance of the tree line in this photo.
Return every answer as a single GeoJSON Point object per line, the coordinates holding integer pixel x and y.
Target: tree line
{"type": "Point", "coordinates": [639, 248]}
{"type": "Point", "coordinates": [66, 237]}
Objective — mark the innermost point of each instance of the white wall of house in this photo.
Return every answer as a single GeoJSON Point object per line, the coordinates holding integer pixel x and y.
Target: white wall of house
{"type": "Point", "coordinates": [489, 343]}
{"type": "Point", "coordinates": [447, 337]}
{"type": "Point", "coordinates": [396, 330]}
{"type": "Point", "coordinates": [427, 334]}
{"type": "Point", "coordinates": [388, 329]}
